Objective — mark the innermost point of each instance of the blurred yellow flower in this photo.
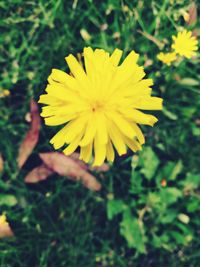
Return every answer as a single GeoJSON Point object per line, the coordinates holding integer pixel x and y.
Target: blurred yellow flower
{"type": "Point", "coordinates": [186, 16]}
{"type": "Point", "coordinates": [3, 220]}
{"type": "Point", "coordinates": [4, 93]}
{"type": "Point", "coordinates": [5, 230]}
{"type": "Point", "coordinates": [185, 44]}
{"type": "Point", "coordinates": [99, 104]}
{"type": "Point", "coordinates": [167, 58]}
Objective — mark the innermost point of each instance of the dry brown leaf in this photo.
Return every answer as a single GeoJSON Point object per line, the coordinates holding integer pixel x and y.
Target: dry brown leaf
{"type": "Point", "coordinates": [66, 166]}
{"type": "Point", "coordinates": [197, 121]}
{"type": "Point", "coordinates": [196, 32]}
{"type": "Point", "coordinates": [1, 163]}
{"type": "Point", "coordinates": [192, 14]}
{"type": "Point", "coordinates": [31, 137]}
{"type": "Point", "coordinates": [103, 168]}
{"type": "Point", "coordinates": [152, 39]}
{"type": "Point", "coordinates": [38, 174]}
{"type": "Point", "coordinates": [75, 156]}
{"type": "Point", "coordinates": [55, 162]}
{"type": "Point", "coordinates": [5, 231]}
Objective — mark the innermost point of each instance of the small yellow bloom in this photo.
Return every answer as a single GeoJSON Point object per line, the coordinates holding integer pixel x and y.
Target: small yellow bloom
{"type": "Point", "coordinates": [99, 104]}
{"type": "Point", "coordinates": [186, 16]}
{"type": "Point", "coordinates": [185, 44]}
{"type": "Point", "coordinates": [3, 220]}
{"type": "Point", "coordinates": [5, 230]}
{"type": "Point", "coordinates": [4, 93]}
{"type": "Point", "coordinates": [167, 58]}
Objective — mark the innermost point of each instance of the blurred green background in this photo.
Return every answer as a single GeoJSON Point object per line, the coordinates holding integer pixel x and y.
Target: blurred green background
{"type": "Point", "coordinates": [147, 213]}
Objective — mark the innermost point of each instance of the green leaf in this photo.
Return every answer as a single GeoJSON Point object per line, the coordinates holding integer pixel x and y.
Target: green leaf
{"type": "Point", "coordinates": [114, 207]}
{"type": "Point", "coordinates": [156, 241]}
{"type": "Point", "coordinates": [192, 181]}
{"type": "Point", "coordinates": [169, 114]}
{"type": "Point", "coordinates": [183, 228]}
{"type": "Point", "coordinates": [196, 131]}
{"type": "Point", "coordinates": [179, 238]}
{"type": "Point", "coordinates": [167, 170]}
{"type": "Point", "coordinates": [170, 195]}
{"type": "Point", "coordinates": [153, 199]}
{"type": "Point", "coordinates": [194, 205]}
{"type": "Point", "coordinates": [4, 185]}
{"type": "Point", "coordinates": [169, 216]}
{"type": "Point", "coordinates": [8, 200]}
{"type": "Point", "coordinates": [189, 81]}
{"type": "Point", "coordinates": [132, 231]}
{"type": "Point", "coordinates": [136, 182]}
{"type": "Point", "coordinates": [149, 162]}
{"type": "Point", "coordinates": [188, 112]}
{"type": "Point", "coordinates": [176, 170]}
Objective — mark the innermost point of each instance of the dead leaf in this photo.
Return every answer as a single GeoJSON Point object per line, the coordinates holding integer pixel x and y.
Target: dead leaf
{"type": "Point", "coordinates": [75, 156]}
{"type": "Point", "coordinates": [196, 32]}
{"type": "Point", "coordinates": [1, 163]}
{"type": "Point", "coordinates": [192, 14]}
{"type": "Point", "coordinates": [55, 162]}
{"type": "Point", "coordinates": [66, 166]}
{"type": "Point", "coordinates": [103, 168]}
{"type": "Point", "coordinates": [31, 137]}
{"type": "Point", "coordinates": [5, 231]}
{"type": "Point", "coordinates": [197, 121]}
{"type": "Point", "coordinates": [38, 174]}
{"type": "Point", "coordinates": [152, 39]}
{"type": "Point", "coordinates": [148, 62]}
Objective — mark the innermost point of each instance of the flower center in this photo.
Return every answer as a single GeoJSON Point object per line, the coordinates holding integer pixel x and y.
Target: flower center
{"type": "Point", "coordinates": [97, 106]}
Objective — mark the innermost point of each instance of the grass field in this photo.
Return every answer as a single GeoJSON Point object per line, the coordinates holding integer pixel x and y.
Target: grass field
{"type": "Point", "coordinates": [147, 212]}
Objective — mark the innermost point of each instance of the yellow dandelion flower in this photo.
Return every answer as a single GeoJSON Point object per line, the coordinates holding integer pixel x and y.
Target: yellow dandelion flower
{"type": "Point", "coordinates": [185, 44]}
{"type": "Point", "coordinates": [99, 105]}
{"type": "Point", "coordinates": [167, 58]}
{"type": "Point", "coordinates": [3, 220]}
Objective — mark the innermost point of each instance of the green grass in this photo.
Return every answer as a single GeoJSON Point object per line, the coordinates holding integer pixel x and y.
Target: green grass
{"type": "Point", "coordinates": [58, 222]}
